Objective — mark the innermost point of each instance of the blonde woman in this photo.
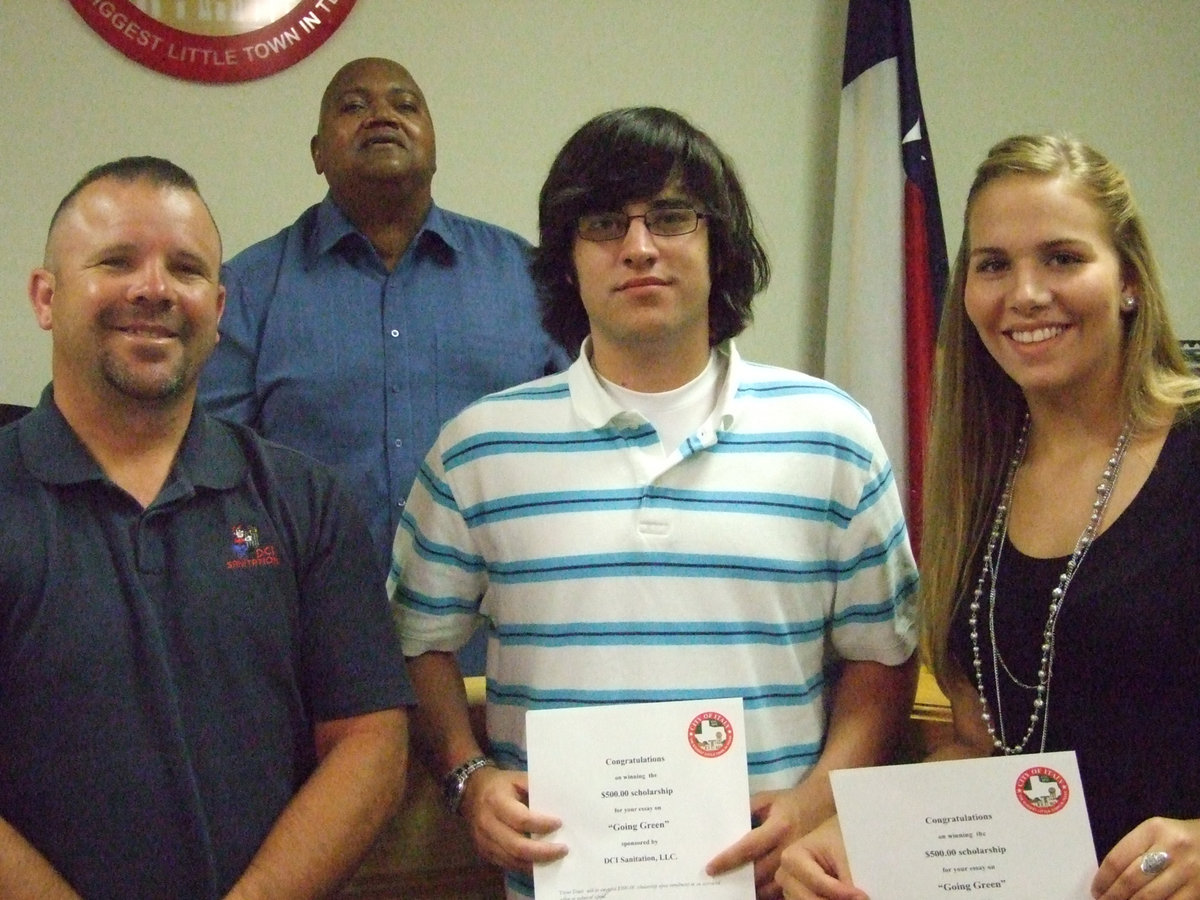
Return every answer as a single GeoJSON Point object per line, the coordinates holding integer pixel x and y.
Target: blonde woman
{"type": "Point", "coordinates": [1061, 574]}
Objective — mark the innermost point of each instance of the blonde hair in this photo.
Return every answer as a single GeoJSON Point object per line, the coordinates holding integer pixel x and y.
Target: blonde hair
{"type": "Point", "coordinates": [978, 410]}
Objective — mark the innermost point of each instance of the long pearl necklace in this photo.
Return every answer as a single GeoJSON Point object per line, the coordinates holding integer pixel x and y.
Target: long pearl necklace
{"type": "Point", "coordinates": [990, 572]}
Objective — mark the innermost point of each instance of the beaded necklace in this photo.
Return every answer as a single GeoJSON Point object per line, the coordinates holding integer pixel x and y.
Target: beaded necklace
{"type": "Point", "coordinates": [990, 572]}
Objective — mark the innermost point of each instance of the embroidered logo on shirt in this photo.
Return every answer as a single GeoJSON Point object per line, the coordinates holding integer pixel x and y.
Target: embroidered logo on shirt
{"type": "Point", "coordinates": [248, 550]}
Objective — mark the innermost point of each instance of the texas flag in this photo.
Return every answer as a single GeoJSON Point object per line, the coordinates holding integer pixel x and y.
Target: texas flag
{"type": "Point", "coordinates": [888, 264]}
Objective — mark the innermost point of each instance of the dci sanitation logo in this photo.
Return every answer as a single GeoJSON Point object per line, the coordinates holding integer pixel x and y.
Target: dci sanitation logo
{"type": "Point", "coordinates": [710, 734]}
{"type": "Point", "coordinates": [215, 40]}
{"type": "Point", "coordinates": [1042, 790]}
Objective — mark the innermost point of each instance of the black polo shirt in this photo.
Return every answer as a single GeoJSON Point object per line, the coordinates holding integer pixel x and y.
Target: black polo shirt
{"type": "Point", "coordinates": [161, 669]}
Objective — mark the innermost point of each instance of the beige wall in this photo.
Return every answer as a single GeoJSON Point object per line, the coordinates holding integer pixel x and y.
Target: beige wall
{"type": "Point", "coordinates": [508, 80]}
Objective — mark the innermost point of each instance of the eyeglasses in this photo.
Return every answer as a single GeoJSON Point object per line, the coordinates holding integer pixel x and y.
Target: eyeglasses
{"type": "Point", "coordinates": [665, 221]}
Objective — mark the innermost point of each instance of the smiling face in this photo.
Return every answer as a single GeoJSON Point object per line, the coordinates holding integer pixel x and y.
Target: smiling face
{"type": "Point", "coordinates": [130, 293]}
{"type": "Point", "coordinates": [375, 128]}
{"type": "Point", "coordinates": [1044, 287]}
{"type": "Point", "coordinates": [646, 293]}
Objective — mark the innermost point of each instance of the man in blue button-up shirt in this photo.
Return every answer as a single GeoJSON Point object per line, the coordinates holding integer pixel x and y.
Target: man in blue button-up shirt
{"type": "Point", "coordinates": [357, 331]}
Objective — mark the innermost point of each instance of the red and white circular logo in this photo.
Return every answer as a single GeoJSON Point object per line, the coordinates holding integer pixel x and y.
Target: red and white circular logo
{"type": "Point", "coordinates": [710, 734]}
{"type": "Point", "coordinates": [1042, 790]}
{"type": "Point", "coordinates": [215, 40]}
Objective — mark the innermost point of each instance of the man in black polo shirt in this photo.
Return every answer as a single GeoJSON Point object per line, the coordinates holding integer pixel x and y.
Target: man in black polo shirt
{"type": "Point", "coordinates": [200, 689]}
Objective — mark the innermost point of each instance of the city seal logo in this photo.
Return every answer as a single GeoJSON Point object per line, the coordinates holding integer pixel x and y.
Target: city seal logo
{"type": "Point", "coordinates": [710, 734]}
{"type": "Point", "coordinates": [1042, 790]}
{"type": "Point", "coordinates": [217, 41]}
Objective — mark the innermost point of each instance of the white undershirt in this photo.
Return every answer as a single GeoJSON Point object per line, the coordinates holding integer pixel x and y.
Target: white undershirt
{"type": "Point", "coordinates": [675, 414]}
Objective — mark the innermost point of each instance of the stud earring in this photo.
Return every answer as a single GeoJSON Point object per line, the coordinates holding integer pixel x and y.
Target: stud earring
{"type": "Point", "coordinates": [1128, 304]}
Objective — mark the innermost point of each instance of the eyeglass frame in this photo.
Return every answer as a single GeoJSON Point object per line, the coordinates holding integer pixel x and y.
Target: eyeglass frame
{"type": "Point", "coordinates": [654, 211]}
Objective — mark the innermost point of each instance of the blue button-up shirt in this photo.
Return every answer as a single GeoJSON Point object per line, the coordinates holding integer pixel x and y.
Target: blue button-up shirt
{"type": "Point", "coordinates": [323, 349]}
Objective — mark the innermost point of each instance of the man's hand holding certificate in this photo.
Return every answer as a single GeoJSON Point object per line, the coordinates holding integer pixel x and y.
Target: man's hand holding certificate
{"type": "Point", "coordinates": [647, 794]}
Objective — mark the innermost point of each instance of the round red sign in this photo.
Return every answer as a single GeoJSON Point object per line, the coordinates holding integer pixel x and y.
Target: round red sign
{"type": "Point", "coordinates": [1042, 790]}
{"type": "Point", "coordinates": [215, 40]}
{"type": "Point", "coordinates": [710, 734]}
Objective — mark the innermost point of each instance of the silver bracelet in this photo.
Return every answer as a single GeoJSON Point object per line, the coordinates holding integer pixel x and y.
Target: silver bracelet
{"type": "Point", "coordinates": [454, 785]}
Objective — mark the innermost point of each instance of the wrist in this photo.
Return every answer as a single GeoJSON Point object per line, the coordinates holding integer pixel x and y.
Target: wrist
{"type": "Point", "coordinates": [454, 783]}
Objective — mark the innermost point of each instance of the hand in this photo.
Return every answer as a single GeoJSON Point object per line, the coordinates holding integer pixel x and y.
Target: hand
{"type": "Point", "coordinates": [815, 866]}
{"type": "Point", "coordinates": [1120, 876]}
{"type": "Point", "coordinates": [782, 816]}
{"type": "Point", "coordinates": [496, 804]}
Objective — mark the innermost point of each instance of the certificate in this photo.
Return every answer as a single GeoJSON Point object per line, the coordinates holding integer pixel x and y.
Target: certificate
{"type": "Point", "coordinates": [647, 793]}
{"type": "Point", "coordinates": [998, 828]}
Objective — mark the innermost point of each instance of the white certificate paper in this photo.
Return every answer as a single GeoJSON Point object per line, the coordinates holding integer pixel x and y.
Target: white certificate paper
{"type": "Point", "coordinates": [999, 828]}
{"type": "Point", "coordinates": [648, 793]}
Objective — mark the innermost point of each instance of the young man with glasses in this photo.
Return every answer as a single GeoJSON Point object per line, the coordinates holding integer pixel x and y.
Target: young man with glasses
{"type": "Point", "coordinates": [662, 521]}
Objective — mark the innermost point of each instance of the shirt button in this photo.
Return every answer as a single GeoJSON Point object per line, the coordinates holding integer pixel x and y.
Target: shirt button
{"type": "Point", "coordinates": [398, 443]}
{"type": "Point", "coordinates": [395, 332]}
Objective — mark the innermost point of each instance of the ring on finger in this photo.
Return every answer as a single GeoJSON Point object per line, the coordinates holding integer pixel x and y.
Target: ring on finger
{"type": "Point", "coordinates": [1154, 861]}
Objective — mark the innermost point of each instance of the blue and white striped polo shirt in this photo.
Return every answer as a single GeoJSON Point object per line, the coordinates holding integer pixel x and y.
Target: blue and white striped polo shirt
{"type": "Point", "coordinates": [767, 547]}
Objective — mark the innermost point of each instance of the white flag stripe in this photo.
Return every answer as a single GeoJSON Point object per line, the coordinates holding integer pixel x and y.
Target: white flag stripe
{"type": "Point", "coordinates": [864, 340]}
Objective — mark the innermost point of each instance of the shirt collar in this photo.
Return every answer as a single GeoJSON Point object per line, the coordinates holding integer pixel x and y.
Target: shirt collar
{"type": "Point", "coordinates": [333, 227]}
{"type": "Point", "coordinates": [597, 407]}
{"type": "Point", "coordinates": [208, 457]}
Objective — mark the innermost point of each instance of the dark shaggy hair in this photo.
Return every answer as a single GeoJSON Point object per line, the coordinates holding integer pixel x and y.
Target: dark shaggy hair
{"type": "Point", "coordinates": [628, 155]}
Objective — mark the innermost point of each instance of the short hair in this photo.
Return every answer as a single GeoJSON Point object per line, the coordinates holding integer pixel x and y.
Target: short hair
{"type": "Point", "coordinates": [631, 154]}
{"type": "Point", "coordinates": [153, 169]}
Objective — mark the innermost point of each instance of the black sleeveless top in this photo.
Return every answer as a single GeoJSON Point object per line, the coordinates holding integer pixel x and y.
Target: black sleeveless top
{"type": "Point", "coordinates": [1125, 688]}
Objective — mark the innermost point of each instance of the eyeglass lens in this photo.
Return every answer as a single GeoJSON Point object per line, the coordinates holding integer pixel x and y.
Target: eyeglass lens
{"type": "Point", "coordinates": [664, 221]}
